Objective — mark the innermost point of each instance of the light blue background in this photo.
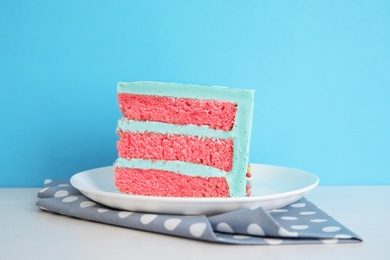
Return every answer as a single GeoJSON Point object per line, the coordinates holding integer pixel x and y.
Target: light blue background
{"type": "Point", "coordinates": [321, 70]}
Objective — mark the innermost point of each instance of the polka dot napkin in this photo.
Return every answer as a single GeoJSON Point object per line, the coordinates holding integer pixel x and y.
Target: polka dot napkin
{"type": "Point", "coordinates": [299, 223]}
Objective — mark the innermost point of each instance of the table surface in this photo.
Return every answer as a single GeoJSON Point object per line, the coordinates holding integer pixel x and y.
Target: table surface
{"type": "Point", "coordinates": [28, 232]}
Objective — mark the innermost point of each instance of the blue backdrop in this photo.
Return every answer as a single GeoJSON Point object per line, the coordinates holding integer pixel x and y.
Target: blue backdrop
{"type": "Point", "coordinates": [320, 69]}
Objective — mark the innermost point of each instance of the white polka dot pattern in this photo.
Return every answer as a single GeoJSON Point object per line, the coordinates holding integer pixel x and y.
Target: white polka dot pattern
{"type": "Point", "coordinates": [246, 226]}
{"type": "Point", "coordinates": [298, 205]}
{"type": "Point", "coordinates": [345, 236]}
{"type": "Point", "coordinates": [147, 218]}
{"type": "Point", "coordinates": [61, 193]}
{"type": "Point", "coordinates": [299, 227]}
{"type": "Point", "coordinates": [43, 190]}
{"type": "Point", "coordinates": [306, 213]}
{"type": "Point", "coordinates": [330, 241]}
{"type": "Point", "coordinates": [284, 233]}
{"type": "Point", "coordinates": [289, 218]}
{"type": "Point", "coordinates": [171, 224]}
{"type": "Point", "coordinates": [273, 241]}
{"type": "Point", "coordinates": [224, 227]}
{"type": "Point", "coordinates": [87, 203]}
{"type": "Point", "coordinates": [318, 220]}
{"type": "Point", "coordinates": [124, 214]}
{"type": "Point", "coordinates": [331, 229]}
{"type": "Point", "coordinates": [197, 229]}
{"type": "Point", "coordinates": [255, 229]}
{"type": "Point", "coordinates": [69, 199]}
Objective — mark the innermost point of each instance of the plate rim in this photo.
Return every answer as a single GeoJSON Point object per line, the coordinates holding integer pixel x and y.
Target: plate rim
{"type": "Point", "coordinates": [315, 182]}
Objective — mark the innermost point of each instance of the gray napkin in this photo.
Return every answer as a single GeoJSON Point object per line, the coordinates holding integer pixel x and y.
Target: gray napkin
{"type": "Point", "coordinates": [299, 223]}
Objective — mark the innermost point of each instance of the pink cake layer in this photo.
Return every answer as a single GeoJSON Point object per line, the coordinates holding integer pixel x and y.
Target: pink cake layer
{"type": "Point", "coordinates": [219, 115]}
{"type": "Point", "coordinates": [165, 183]}
{"type": "Point", "coordinates": [216, 153]}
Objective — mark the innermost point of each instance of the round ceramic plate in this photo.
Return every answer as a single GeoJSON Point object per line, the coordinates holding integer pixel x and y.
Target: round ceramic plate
{"type": "Point", "coordinates": [272, 187]}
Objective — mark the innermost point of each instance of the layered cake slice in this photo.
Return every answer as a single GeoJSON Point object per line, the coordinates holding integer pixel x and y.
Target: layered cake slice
{"type": "Point", "coordinates": [182, 140]}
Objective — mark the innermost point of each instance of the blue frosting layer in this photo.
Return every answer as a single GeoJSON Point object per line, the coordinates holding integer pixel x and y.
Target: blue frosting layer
{"type": "Point", "coordinates": [190, 169]}
{"type": "Point", "coordinates": [127, 125]}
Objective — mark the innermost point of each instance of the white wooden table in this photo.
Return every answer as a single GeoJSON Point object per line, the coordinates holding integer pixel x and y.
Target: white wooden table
{"type": "Point", "coordinates": [29, 233]}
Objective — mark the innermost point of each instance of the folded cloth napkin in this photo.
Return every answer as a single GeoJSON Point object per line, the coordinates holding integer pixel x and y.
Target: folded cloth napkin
{"type": "Point", "coordinates": [299, 223]}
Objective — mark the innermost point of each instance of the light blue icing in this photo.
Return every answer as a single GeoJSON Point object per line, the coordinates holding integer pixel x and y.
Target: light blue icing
{"type": "Point", "coordinates": [240, 133]}
{"type": "Point", "coordinates": [183, 90]}
{"type": "Point", "coordinates": [186, 168]}
{"type": "Point", "coordinates": [125, 124]}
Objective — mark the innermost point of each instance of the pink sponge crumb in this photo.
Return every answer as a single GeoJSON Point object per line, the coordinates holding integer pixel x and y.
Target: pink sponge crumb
{"type": "Point", "coordinates": [216, 114]}
{"type": "Point", "coordinates": [152, 182]}
{"type": "Point", "coordinates": [153, 146]}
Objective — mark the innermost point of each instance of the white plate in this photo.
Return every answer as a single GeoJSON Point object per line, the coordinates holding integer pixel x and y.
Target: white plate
{"type": "Point", "coordinates": [272, 187]}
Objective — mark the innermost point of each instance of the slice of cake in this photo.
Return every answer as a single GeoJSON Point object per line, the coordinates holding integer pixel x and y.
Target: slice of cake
{"type": "Point", "coordinates": [181, 140]}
